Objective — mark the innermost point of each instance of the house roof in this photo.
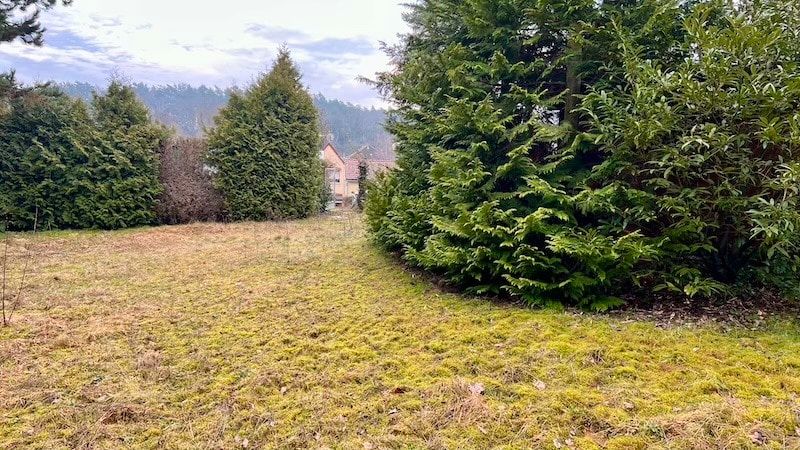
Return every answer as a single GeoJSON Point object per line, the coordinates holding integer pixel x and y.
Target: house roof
{"type": "Point", "coordinates": [335, 152]}
{"type": "Point", "coordinates": [374, 166]}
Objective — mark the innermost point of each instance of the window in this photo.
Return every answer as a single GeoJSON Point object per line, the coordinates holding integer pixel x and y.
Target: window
{"type": "Point", "coordinates": [333, 175]}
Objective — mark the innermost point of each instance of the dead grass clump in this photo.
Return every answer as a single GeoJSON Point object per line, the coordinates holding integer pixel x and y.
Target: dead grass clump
{"type": "Point", "coordinates": [151, 365]}
{"type": "Point", "coordinates": [64, 341]}
{"type": "Point", "coordinates": [121, 413]}
{"type": "Point", "coordinates": [459, 403]}
{"type": "Point", "coordinates": [464, 403]}
{"type": "Point", "coordinates": [713, 426]}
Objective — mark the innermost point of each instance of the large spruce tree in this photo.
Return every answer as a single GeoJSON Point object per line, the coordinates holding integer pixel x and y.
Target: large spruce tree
{"type": "Point", "coordinates": [265, 148]}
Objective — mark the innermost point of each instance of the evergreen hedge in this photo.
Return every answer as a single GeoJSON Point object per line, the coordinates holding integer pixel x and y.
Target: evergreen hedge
{"type": "Point", "coordinates": [570, 151]}
{"type": "Point", "coordinates": [69, 166]}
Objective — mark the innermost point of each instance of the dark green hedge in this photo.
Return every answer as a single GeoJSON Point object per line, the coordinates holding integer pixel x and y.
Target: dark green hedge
{"type": "Point", "coordinates": [69, 166]}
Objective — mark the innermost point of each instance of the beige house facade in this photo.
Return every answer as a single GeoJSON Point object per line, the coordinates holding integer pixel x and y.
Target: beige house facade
{"type": "Point", "coordinates": [342, 174]}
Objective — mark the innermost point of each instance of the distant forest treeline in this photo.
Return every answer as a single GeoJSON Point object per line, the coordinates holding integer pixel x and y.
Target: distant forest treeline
{"type": "Point", "coordinates": [189, 109]}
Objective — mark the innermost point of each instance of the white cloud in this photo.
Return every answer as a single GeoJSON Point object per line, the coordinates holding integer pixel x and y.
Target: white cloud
{"type": "Point", "coordinates": [209, 42]}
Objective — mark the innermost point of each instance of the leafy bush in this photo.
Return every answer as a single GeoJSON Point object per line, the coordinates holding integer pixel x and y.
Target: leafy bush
{"type": "Point", "coordinates": [702, 157]}
{"type": "Point", "coordinates": [677, 170]}
{"type": "Point", "coordinates": [189, 194]}
{"type": "Point", "coordinates": [265, 149]}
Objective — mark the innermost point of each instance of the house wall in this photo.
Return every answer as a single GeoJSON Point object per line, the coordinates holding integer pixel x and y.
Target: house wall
{"type": "Point", "coordinates": [335, 165]}
{"type": "Point", "coordinates": [352, 188]}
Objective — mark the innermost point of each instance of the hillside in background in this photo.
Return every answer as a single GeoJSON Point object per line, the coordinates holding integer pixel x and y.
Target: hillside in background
{"type": "Point", "coordinates": [189, 109]}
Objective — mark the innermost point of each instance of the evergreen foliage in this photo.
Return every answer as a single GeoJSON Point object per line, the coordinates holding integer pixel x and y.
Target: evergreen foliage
{"type": "Point", "coordinates": [677, 171]}
{"type": "Point", "coordinates": [19, 19]}
{"type": "Point", "coordinates": [79, 168]}
{"type": "Point", "coordinates": [702, 156]}
{"type": "Point", "coordinates": [127, 186]}
{"type": "Point", "coordinates": [265, 148]}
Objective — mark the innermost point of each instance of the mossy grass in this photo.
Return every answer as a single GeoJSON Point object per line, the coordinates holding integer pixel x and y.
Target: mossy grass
{"type": "Point", "coordinates": [302, 335]}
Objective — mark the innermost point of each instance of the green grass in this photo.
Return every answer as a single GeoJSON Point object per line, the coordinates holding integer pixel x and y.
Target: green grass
{"type": "Point", "coordinates": [302, 335]}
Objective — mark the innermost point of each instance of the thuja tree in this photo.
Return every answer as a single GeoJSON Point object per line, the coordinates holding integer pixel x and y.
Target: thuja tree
{"type": "Point", "coordinates": [126, 185]}
{"type": "Point", "coordinates": [46, 144]}
{"type": "Point", "coordinates": [507, 184]}
{"type": "Point", "coordinates": [702, 156]}
{"type": "Point", "coordinates": [265, 148]}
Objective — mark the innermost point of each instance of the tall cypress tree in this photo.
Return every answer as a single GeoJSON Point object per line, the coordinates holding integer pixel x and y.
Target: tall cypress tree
{"type": "Point", "coordinates": [45, 146]}
{"type": "Point", "coordinates": [265, 148]}
{"type": "Point", "coordinates": [73, 167]}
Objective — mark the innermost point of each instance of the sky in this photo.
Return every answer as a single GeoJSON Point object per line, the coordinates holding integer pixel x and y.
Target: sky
{"type": "Point", "coordinates": [212, 42]}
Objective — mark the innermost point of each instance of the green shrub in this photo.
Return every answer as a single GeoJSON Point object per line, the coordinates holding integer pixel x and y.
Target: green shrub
{"type": "Point", "coordinates": [265, 149]}
{"type": "Point", "coordinates": [702, 157]}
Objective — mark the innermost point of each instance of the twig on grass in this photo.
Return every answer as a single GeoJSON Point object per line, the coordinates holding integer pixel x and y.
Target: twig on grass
{"type": "Point", "coordinates": [5, 272]}
{"type": "Point", "coordinates": [10, 307]}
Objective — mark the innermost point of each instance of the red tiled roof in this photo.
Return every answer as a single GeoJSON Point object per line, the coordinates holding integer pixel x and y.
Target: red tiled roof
{"type": "Point", "coordinates": [375, 166]}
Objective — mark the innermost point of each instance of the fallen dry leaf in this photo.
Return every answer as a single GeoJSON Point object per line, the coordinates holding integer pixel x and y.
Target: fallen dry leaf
{"type": "Point", "coordinates": [758, 437]}
{"type": "Point", "coordinates": [628, 406]}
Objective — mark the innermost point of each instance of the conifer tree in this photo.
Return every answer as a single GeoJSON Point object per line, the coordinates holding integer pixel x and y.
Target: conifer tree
{"type": "Point", "coordinates": [265, 148]}
{"type": "Point", "coordinates": [44, 149]}
{"type": "Point", "coordinates": [484, 190]}
{"type": "Point", "coordinates": [512, 180]}
{"type": "Point", "coordinates": [127, 185]}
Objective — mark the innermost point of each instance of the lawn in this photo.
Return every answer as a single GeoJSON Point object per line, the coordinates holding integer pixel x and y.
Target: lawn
{"type": "Point", "coordinates": [302, 335]}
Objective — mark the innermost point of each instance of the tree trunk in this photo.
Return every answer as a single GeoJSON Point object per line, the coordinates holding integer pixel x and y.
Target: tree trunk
{"type": "Point", "coordinates": [573, 84]}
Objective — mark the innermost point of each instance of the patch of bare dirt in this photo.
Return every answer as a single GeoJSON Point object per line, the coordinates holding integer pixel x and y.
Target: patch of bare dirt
{"type": "Point", "coordinates": [750, 313]}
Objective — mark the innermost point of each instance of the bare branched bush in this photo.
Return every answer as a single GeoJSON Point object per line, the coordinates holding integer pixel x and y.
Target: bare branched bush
{"type": "Point", "coordinates": [11, 296]}
{"type": "Point", "coordinates": [189, 195]}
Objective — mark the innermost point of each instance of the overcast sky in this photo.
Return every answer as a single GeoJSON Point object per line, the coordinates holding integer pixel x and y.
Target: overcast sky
{"type": "Point", "coordinates": [213, 42]}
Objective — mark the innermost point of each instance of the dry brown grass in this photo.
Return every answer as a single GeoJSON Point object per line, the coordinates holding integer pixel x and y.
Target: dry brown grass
{"type": "Point", "coordinates": [302, 335]}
